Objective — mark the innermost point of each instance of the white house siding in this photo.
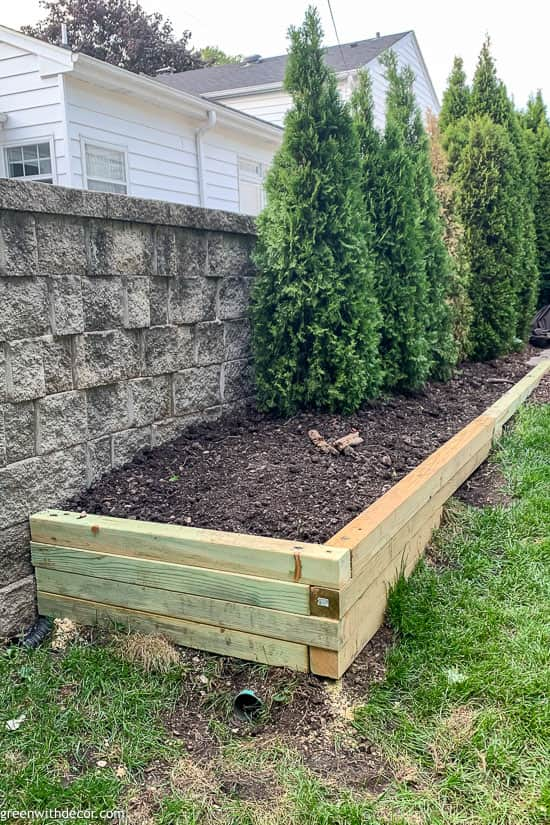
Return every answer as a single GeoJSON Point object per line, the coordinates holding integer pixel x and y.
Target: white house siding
{"type": "Point", "coordinates": [33, 104]}
{"type": "Point", "coordinates": [222, 150]}
{"type": "Point", "coordinates": [273, 105]}
{"type": "Point", "coordinates": [160, 146]}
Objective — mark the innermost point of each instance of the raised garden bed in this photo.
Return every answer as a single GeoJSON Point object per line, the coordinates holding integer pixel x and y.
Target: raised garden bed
{"type": "Point", "coordinates": [260, 475]}
{"type": "Point", "coordinates": [307, 606]}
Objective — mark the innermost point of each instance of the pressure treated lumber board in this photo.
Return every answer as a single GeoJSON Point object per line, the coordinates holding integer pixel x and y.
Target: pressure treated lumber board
{"type": "Point", "coordinates": [373, 528]}
{"type": "Point", "coordinates": [269, 593]}
{"type": "Point", "coordinates": [429, 513]}
{"type": "Point", "coordinates": [191, 634]}
{"type": "Point", "coordinates": [509, 403]}
{"type": "Point", "coordinates": [363, 599]}
{"type": "Point", "coordinates": [367, 614]}
{"type": "Point", "coordinates": [232, 552]}
{"type": "Point", "coordinates": [232, 615]}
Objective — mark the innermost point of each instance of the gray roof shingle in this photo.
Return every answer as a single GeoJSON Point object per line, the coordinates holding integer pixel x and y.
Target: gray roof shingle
{"type": "Point", "coordinates": [272, 69]}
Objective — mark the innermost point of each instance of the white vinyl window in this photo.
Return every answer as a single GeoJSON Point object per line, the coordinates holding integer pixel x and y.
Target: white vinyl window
{"type": "Point", "coordinates": [251, 186]}
{"type": "Point", "coordinates": [105, 168]}
{"type": "Point", "coordinates": [30, 161]}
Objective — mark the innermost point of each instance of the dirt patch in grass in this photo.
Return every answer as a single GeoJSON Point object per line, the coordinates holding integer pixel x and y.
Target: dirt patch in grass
{"type": "Point", "coordinates": [308, 714]}
{"type": "Point", "coordinates": [485, 488]}
{"type": "Point", "coordinates": [257, 786]}
{"type": "Point", "coordinates": [258, 474]}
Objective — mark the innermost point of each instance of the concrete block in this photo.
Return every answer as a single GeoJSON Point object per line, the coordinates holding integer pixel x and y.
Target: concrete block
{"type": "Point", "coordinates": [116, 248]}
{"type": "Point", "coordinates": [168, 349]}
{"type": "Point", "coordinates": [25, 378]}
{"type": "Point", "coordinates": [238, 339]}
{"type": "Point", "coordinates": [191, 253]}
{"type": "Point", "coordinates": [191, 300]}
{"type": "Point", "coordinates": [234, 298]}
{"type": "Point", "coordinates": [128, 443]}
{"type": "Point", "coordinates": [166, 256]}
{"type": "Point", "coordinates": [108, 409]}
{"type": "Point", "coordinates": [158, 301]}
{"type": "Point", "coordinates": [230, 255]}
{"type": "Point", "coordinates": [237, 380]}
{"type": "Point", "coordinates": [137, 311]}
{"type": "Point", "coordinates": [18, 246]}
{"type": "Point", "coordinates": [103, 300]}
{"type": "Point", "coordinates": [15, 556]}
{"type": "Point", "coordinates": [61, 421]}
{"type": "Point", "coordinates": [66, 308]}
{"type": "Point", "coordinates": [150, 400]}
{"type": "Point", "coordinates": [58, 363]}
{"type": "Point", "coordinates": [17, 607]}
{"type": "Point", "coordinates": [98, 458]}
{"type": "Point", "coordinates": [61, 246]}
{"type": "Point", "coordinates": [106, 357]}
{"type": "Point", "coordinates": [19, 431]}
{"type": "Point", "coordinates": [210, 343]}
{"type": "Point", "coordinates": [40, 482]}
{"type": "Point", "coordinates": [196, 389]}
{"type": "Point", "coordinates": [23, 308]}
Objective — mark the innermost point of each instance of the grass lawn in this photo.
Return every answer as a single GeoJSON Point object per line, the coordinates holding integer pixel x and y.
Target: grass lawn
{"type": "Point", "coordinates": [460, 724]}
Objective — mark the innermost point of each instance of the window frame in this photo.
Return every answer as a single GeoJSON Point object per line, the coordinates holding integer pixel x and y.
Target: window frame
{"type": "Point", "coordinates": [249, 177]}
{"type": "Point", "coordinates": [101, 144]}
{"type": "Point", "coordinates": [35, 141]}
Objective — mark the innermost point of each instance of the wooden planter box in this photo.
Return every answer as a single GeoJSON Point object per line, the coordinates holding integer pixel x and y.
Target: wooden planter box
{"type": "Point", "coordinates": [303, 606]}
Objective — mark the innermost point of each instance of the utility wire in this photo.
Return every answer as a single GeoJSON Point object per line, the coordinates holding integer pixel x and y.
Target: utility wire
{"type": "Point", "coordinates": [336, 33]}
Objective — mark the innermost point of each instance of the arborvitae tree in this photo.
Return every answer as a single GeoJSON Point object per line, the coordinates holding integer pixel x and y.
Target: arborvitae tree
{"type": "Point", "coordinates": [402, 106]}
{"type": "Point", "coordinates": [388, 178]}
{"type": "Point", "coordinates": [535, 115]}
{"type": "Point", "coordinates": [543, 212]}
{"type": "Point", "coordinates": [486, 199]}
{"type": "Point", "coordinates": [536, 122]}
{"type": "Point", "coordinates": [456, 96]}
{"type": "Point", "coordinates": [400, 275]}
{"type": "Point", "coordinates": [461, 307]}
{"type": "Point", "coordinates": [315, 317]}
{"type": "Point", "coordinates": [370, 148]}
{"type": "Point", "coordinates": [489, 97]}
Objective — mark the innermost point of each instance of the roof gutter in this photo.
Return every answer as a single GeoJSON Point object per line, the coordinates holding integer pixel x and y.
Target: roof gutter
{"type": "Point", "coordinates": [160, 94]}
{"type": "Point", "coordinates": [245, 91]}
{"type": "Point", "coordinates": [211, 122]}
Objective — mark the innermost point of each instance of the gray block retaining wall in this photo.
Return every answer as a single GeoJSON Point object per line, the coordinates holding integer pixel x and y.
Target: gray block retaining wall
{"type": "Point", "coordinates": [121, 321]}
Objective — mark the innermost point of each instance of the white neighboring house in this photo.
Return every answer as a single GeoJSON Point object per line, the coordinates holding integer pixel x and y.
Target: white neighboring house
{"type": "Point", "coordinates": [256, 85]}
{"type": "Point", "coordinates": [70, 119]}
{"type": "Point", "coordinates": [204, 137]}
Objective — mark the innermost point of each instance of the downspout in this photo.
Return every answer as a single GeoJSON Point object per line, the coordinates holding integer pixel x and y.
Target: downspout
{"type": "Point", "coordinates": [211, 122]}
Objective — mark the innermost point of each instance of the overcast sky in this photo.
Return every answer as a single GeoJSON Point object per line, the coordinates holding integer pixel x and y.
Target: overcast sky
{"type": "Point", "coordinates": [519, 31]}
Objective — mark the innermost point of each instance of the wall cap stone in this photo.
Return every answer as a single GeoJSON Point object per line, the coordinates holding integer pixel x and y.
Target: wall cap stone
{"type": "Point", "coordinates": [36, 197]}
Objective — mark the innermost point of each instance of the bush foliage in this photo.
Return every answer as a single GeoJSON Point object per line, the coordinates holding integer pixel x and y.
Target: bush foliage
{"type": "Point", "coordinates": [500, 216]}
{"type": "Point", "coordinates": [385, 256]}
{"type": "Point", "coordinates": [315, 317]}
{"type": "Point", "coordinates": [535, 121]}
{"type": "Point", "coordinates": [459, 298]}
{"type": "Point", "coordinates": [486, 201]}
{"type": "Point", "coordinates": [412, 265]}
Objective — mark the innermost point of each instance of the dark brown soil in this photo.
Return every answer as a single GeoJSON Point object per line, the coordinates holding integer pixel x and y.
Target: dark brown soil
{"type": "Point", "coordinates": [258, 474]}
{"type": "Point", "coordinates": [542, 393]}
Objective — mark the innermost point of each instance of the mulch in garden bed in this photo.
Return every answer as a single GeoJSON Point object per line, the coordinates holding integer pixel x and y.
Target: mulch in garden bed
{"type": "Point", "coordinates": [257, 474]}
